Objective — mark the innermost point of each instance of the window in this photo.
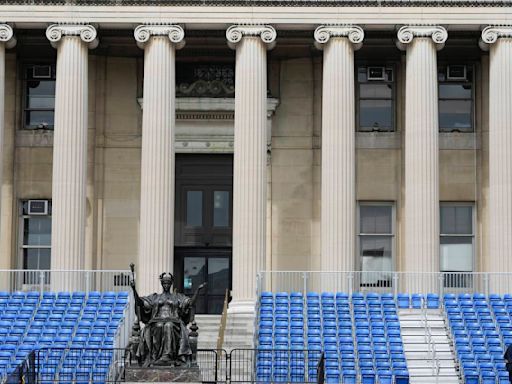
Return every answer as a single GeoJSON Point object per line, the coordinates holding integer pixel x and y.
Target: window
{"type": "Point", "coordinates": [36, 231]}
{"type": "Point", "coordinates": [457, 237]}
{"type": "Point", "coordinates": [39, 96]}
{"type": "Point", "coordinates": [455, 98]}
{"type": "Point", "coordinates": [375, 91]}
{"type": "Point", "coordinates": [376, 243]}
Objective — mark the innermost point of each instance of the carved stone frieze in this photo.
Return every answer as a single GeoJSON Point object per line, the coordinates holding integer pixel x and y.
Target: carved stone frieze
{"type": "Point", "coordinates": [205, 88]}
{"type": "Point", "coordinates": [175, 33]}
{"type": "Point", "coordinates": [86, 32]}
{"type": "Point", "coordinates": [235, 33]}
{"type": "Point", "coordinates": [354, 33]}
{"type": "Point", "coordinates": [407, 33]}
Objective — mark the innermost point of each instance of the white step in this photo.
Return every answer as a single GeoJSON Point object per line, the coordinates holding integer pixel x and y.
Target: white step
{"type": "Point", "coordinates": [416, 348]}
{"type": "Point", "coordinates": [239, 331]}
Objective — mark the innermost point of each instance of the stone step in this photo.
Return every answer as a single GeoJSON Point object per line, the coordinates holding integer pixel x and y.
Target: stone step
{"type": "Point", "coordinates": [416, 348]}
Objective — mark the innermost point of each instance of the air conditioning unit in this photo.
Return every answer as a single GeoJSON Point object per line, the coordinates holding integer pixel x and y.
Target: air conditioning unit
{"type": "Point", "coordinates": [376, 73]}
{"type": "Point", "coordinates": [456, 72]}
{"type": "Point", "coordinates": [42, 72]}
{"type": "Point", "coordinates": [38, 207]}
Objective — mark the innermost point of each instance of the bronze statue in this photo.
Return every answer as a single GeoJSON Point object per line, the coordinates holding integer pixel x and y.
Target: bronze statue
{"type": "Point", "coordinates": [164, 340]}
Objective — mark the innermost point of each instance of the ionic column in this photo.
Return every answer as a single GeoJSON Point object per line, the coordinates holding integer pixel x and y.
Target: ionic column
{"type": "Point", "coordinates": [421, 153]}
{"type": "Point", "coordinates": [7, 40]}
{"type": "Point", "coordinates": [250, 159]}
{"type": "Point", "coordinates": [498, 40]}
{"type": "Point", "coordinates": [338, 188]}
{"type": "Point", "coordinates": [156, 241]}
{"type": "Point", "coordinates": [70, 147]}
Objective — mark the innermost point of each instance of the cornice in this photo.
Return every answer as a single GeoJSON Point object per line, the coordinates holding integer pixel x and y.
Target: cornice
{"type": "Point", "coordinates": [7, 36]}
{"type": "Point", "coordinates": [175, 33]}
{"type": "Point", "coordinates": [278, 3]}
{"type": "Point", "coordinates": [407, 33]}
{"type": "Point", "coordinates": [492, 33]}
{"type": "Point", "coordinates": [354, 33]}
{"type": "Point", "coordinates": [86, 32]}
{"type": "Point", "coordinates": [235, 33]}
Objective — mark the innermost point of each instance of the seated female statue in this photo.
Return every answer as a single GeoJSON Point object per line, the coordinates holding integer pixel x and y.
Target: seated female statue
{"type": "Point", "coordinates": [164, 339]}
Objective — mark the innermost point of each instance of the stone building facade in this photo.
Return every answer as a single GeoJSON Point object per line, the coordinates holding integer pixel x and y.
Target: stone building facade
{"type": "Point", "coordinates": [338, 136]}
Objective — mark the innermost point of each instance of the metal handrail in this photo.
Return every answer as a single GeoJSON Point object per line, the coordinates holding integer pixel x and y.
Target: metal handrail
{"type": "Point", "coordinates": [385, 282]}
{"type": "Point", "coordinates": [430, 343]}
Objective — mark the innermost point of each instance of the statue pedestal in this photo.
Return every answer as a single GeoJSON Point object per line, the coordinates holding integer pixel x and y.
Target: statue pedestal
{"type": "Point", "coordinates": [163, 374]}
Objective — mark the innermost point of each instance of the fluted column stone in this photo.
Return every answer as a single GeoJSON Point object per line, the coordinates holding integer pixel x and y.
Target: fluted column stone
{"type": "Point", "coordinates": [156, 241]}
{"type": "Point", "coordinates": [498, 40]}
{"type": "Point", "coordinates": [7, 40]}
{"type": "Point", "coordinates": [72, 42]}
{"type": "Point", "coordinates": [338, 184]}
{"type": "Point", "coordinates": [250, 159]}
{"type": "Point", "coordinates": [421, 157]}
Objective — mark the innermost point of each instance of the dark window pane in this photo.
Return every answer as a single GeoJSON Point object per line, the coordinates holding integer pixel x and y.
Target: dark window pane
{"type": "Point", "coordinates": [375, 90]}
{"type": "Point", "coordinates": [39, 118]}
{"type": "Point", "coordinates": [376, 253]}
{"type": "Point", "coordinates": [375, 115]}
{"type": "Point", "coordinates": [456, 254]}
{"type": "Point", "coordinates": [457, 220]}
{"type": "Point", "coordinates": [361, 74]}
{"type": "Point", "coordinates": [375, 219]}
{"type": "Point", "coordinates": [194, 208]}
{"type": "Point", "coordinates": [41, 88]}
{"type": "Point", "coordinates": [36, 258]}
{"type": "Point", "coordinates": [215, 305]}
{"type": "Point", "coordinates": [455, 91]}
{"type": "Point", "coordinates": [37, 231]}
{"type": "Point", "coordinates": [221, 208]}
{"type": "Point", "coordinates": [193, 273]}
{"type": "Point", "coordinates": [218, 275]}
{"type": "Point", "coordinates": [47, 102]}
{"type": "Point", "coordinates": [455, 115]}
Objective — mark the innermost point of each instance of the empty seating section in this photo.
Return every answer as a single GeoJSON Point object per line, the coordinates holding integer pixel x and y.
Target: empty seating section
{"type": "Point", "coordinates": [358, 334]}
{"type": "Point", "coordinates": [481, 328]}
{"type": "Point", "coordinates": [65, 321]}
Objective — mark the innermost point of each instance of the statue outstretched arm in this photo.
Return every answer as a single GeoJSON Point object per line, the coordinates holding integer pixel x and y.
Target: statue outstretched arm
{"type": "Point", "coordinates": [193, 300]}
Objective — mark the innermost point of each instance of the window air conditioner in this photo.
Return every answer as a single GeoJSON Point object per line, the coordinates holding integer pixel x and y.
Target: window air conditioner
{"type": "Point", "coordinates": [38, 207]}
{"type": "Point", "coordinates": [456, 72]}
{"type": "Point", "coordinates": [42, 71]}
{"type": "Point", "coordinates": [376, 73]}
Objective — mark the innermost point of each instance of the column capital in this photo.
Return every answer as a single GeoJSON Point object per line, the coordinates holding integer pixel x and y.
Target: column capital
{"type": "Point", "coordinates": [175, 33]}
{"type": "Point", "coordinates": [492, 33]}
{"type": "Point", "coordinates": [235, 33]}
{"type": "Point", "coordinates": [86, 32]}
{"type": "Point", "coordinates": [407, 33]}
{"type": "Point", "coordinates": [7, 36]}
{"type": "Point", "coordinates": [354, 33]}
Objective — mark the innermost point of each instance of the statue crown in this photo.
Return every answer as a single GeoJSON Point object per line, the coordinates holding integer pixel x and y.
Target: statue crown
{"type": "Point", "coordinates": [167, 276]}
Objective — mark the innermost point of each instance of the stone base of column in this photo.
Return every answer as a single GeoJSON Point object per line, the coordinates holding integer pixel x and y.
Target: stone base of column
{"type": "Point", "coordinates": [247, 307]}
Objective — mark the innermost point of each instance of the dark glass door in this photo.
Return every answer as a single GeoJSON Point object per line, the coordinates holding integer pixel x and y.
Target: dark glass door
{"type": "Point", "coordinates": [203, 229]}
{"type": "Point", "coordinates": [204, 265]}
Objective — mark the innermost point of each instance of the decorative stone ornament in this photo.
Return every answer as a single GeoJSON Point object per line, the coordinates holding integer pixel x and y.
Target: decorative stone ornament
{"type": "Point", "coordinates": [7, 36]}
{"type": "Point", "coordinates": [267, 33]}
{"type": "Point", "coordinates": [175, 33]}
{"type": "Point", "coordinates": [354, 33]}
{"type": "Point", "coordinates": [491, 34]}
{"type": "Point", "coordinates": [86, 32]}
{"type": "Point", "coordinates": [407, 33]}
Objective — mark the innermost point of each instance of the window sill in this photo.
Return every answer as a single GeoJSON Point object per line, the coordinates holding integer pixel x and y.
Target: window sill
{"type": "Point", "coordinates": [34, 138]}
{"type": "Point", "coordinates": [458, 140]}
{"type": "Point", "coordinates": [378, 140]}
